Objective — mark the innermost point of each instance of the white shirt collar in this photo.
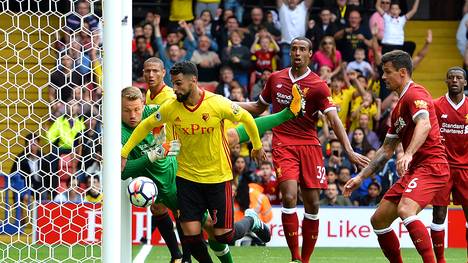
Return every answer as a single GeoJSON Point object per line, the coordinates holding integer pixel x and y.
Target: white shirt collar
{"type": "Point", "coordinates": [455, 106]}
{"type": "Point", "coordinates": [294, 80]}
{"type": "Point", "coordinates": [405, 89]}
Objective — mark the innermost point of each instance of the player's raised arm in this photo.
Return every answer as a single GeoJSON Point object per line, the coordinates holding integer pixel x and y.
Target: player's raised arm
{"type": "Point", "coordinates": [383, 154]}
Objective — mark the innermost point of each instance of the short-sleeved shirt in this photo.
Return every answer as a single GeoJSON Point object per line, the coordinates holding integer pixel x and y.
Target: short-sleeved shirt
{"type": "Point", "coordinates": [320, 59]}
{"type": "Point", "coordinates": [264, 60]}
{"type": "Point", "coordinates": [413, 101]}
{"type": "Point", "coordinates": [277, 91]}
{"type": "Point", "coordinates": [181, 10]}
{"type": "Point", "coordinates": [394, 33]}
{"type": "Point", "coordinates": [453, 123]}
{"type": "Point", "coordinates": [342, 101]}
{"type": "Point", "coordinates": [293, 22]}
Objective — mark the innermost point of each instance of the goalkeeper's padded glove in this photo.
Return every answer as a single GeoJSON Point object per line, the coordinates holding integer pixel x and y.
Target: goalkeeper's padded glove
{"type": "Point", "coordinates": [160, 151]}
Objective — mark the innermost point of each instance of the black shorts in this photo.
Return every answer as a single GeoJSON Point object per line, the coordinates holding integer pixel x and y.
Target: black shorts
{"type": "Point", "coordinates": [195, 198]}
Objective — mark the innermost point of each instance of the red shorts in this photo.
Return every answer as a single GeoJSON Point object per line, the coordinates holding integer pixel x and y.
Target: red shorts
{"type": "Point", "coordinates": [457, 185]}
{"type": "Point", "coordinates": [302, 163]}
{"type": "Point", "coordinates": [420, 184]}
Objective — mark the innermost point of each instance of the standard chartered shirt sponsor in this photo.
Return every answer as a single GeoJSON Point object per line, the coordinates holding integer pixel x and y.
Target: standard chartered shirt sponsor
{"type": "Point", "coordinates": [454, 128]}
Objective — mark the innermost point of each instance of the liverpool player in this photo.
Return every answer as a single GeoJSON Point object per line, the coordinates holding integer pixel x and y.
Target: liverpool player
{"type": "Point", "coordinates": [452, 113]}
{"type": "Point", "coordinates": [297, 154]}
{"type": "Point", "coordinates": [423, 166]}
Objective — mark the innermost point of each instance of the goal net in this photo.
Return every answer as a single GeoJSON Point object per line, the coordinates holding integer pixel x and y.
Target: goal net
{"type": "Point", "coordinates": [51, 132]}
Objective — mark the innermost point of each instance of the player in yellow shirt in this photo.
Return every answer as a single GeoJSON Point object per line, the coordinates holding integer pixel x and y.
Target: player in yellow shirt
{"type": "Point", "coordinates": [203, 179]}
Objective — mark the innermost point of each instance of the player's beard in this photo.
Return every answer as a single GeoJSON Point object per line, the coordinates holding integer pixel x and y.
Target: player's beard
{"type": "Point", "coordinates": [183, 97]}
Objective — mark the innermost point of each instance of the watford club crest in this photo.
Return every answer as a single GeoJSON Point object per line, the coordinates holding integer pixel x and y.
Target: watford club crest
{"type": "Point", "coordinates": [205, 116]}
{"type": "Point", "coordinates": [420, 104]}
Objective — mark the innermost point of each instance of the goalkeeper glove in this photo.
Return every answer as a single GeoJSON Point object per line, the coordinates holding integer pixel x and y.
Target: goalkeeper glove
{"type": "Point", "coordinates": [160, 151]}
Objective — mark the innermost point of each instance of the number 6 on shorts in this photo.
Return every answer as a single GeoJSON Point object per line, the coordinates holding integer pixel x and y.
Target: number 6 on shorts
{"type": "Point", "coordinates": [412, 184]}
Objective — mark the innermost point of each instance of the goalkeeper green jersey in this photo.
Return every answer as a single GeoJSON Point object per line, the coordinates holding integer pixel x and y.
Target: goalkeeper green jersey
{"type": "Point", "coordinates": [162, 172]}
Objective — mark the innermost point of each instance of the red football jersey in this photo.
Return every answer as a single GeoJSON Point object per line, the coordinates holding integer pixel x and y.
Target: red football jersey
{"type": "Point", "coordinates": [264, 60]}
{"type": "Point", "coordinates": [453, 123]}
{"type": "Point", "coordinates": [414, 100]}
{"type": "Point", "coordinates": [277, 91]}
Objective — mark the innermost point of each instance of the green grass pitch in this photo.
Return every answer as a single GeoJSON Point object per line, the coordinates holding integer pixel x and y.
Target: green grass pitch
{"type": "Point", "coordinates": [61, 253]}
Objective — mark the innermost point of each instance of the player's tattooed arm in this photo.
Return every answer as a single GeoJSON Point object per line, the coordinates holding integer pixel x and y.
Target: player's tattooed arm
{"type": "Point", "coordinates": [382, 156]}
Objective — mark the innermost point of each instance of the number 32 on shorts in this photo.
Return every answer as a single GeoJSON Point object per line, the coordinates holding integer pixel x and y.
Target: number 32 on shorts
{"type": "Point", "coordinates": [321, 173]}
{"type": "Point", "coordinates": [412, 185]}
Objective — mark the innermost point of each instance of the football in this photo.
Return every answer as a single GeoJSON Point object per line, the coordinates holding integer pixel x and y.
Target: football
{"type": "Point", "coordinates": [142, 192]}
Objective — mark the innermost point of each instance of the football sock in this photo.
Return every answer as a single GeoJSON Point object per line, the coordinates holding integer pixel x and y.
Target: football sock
{"type": "Point", "coordinates": [186, 255]}
{"type": "Point", "coordinates": [198, 248]}
{"type": "Point", "coordinates": [221, 251]}
{"type": "Point", "coordinates": [310, 230]}
{"type": "Point", "coordinates": [265, 123]}
{"type": "Point", "coordinates": [291, 229]}
{"type": "Point", "coordinates": [438, 241]}
{"type": "Point", "coordinates": [166, 228]}
{"type": "Point", "coordinates": [420, 237]}
{"type": "Point", "coordinates": [389, 244]}
{"type": "Point", "coordinates": [466, 238]}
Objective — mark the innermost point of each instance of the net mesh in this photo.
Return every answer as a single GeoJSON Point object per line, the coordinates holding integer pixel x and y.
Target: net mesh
{"type": "Point", "coordinates": [50, 131]}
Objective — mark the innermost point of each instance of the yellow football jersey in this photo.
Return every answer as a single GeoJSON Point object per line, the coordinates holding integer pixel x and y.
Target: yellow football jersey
{"type": "Point", "coordinates": [204, 155]}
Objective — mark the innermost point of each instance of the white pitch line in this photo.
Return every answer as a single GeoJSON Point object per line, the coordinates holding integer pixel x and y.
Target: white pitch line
{"type": "Point", "coordinates": [144, 252]}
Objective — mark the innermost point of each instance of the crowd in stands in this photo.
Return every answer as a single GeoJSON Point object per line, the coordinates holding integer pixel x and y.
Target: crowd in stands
{"type": "Point", "coordinates": [236, 50]}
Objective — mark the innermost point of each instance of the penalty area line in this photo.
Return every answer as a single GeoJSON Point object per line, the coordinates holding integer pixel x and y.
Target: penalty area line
{"type": "Point", "coordinates": [144, 252]}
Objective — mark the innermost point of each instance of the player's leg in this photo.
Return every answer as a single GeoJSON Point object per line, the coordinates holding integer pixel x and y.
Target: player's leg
{"type": "Point", "coordinates": [460, 194]}
{"type": "Point", "coordinates": [439, 213]}
{"type": "Point", "coordinates": [425, 182]}
{"type": "Point", "coordinates": [163, 222]}
{"type": "Point", "coordinates": [192, 206]}
{"type": "Point", "coordinates": [310, 223]}
{"type": "Point", "coordinates": [381, 221]}
{"type": "Point", "coordinates": [465, 210]}
{"type": "Point", "coordinates": [220, 250]}
{"type": "Point", "coordinates": [407, 211]}
{"type": "Point", "coordinates": [287, 161]}
{"type": "Point", "coordinates": [265, 123]}
{"type": "Point", "coordinates": [221, 211]}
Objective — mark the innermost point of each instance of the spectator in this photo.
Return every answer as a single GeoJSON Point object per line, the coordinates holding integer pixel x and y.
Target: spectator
{"type": "Point", "coordinates": [359, 64]}
{"type": "Point", "coordinates": [336, 159]}
{"type": "Point", "coordinates": [224, 86]}
{"type": "Point", "coordinates": [371, 136]}
{"type": "Point", "coordinates": [325, 74]}
{"type": "Point", "coordinates": [240, 169]}
{"type": "Point", "coordinates": [332, 177]}
{"type": "Point", "coordinates": [200, 30]}
{"type": "Point", "coordinates": [82, 14]}
{"type": "Point", "coordinates": [223, 36]}
{"type": "Point", "coordinates": [353, 36]}
{"type": "Point", "coordinates": [207, 61]}
{"type": "Point", "coordinates": [237, 7]}
{"type": "Point", "coordinates": [324, 27]}
{"type": "Point", "coordinates": [207, 6]}
{"type": "Point", "coordinates": [340, 12]}
{"type": "Point", "coordinates": [93, 189]}
{"type": "Point", "coordinates": [63, 80]}
{"type": "Point", "coordinates": [207, 18]}
{"type": "Point", "coordinates": [394, 34]}
{"type": "Point", "coordinates": [138, 59]}
{"type": "Point", "coordinates": [344, 174]}
{"type": "Point", "coordinates": [264, 57]}
{"type": "Point", "coordinates": [328, 56]}
{"type": "Point", "coordinates": [181, 10]}
{"type": "Point", "coordinates": [343, 97]}
{"type": "Point", "coordinates": [72, 194]}
{"type": "Point", "coordinates": [175, 54]}
{"type": "Point", "coordinates": [137, 31]}
{"type": "Point", "coordinates": [272, 24]}
{"type": "Point", "coordinates": [28, 165]}
{"type": "Point", "coordinates": [148, 33]}
{"type": "Point", "coordinates": [373, 196]}
{"type": "Point", "coordinates": [462, 30]}
{"type": "Point", "coordinates": [359, 141]}
{"type": "Point", "coordinates": [256, 17]}
{"type": "Point", "coordinates": [237, 57]}
{"type": "Point", "coordinates": [268, 182]}
{"type": "Point", "coordinates": [369, 106]}
{"type": "Point", "coordinates": [82, 60]}
{"type": "Point", "coordinates": [292, 15]}
{"type": "Point", "coordinates": [258, 86]}
{"type": "Point", "coordinates": [377, 21]}
{"type": "Point", "coordinates": [333, 198]}
{"type": "Point", "coordinates": [237, 92]}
